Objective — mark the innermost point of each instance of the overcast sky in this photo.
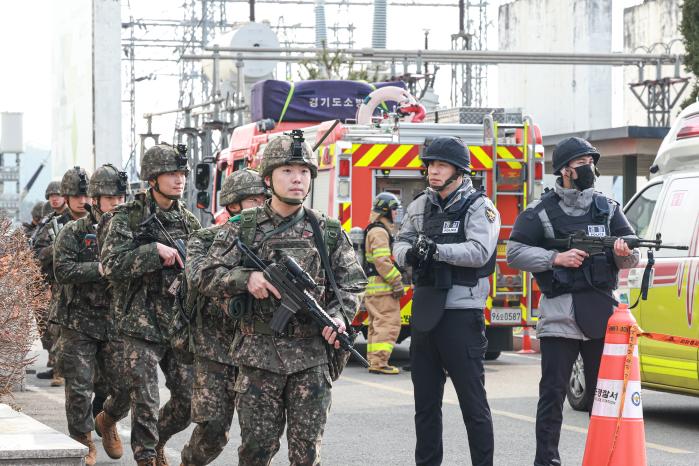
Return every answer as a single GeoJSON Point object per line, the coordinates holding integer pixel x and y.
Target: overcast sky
{"type": "Point", "coordinates": [25, 53]}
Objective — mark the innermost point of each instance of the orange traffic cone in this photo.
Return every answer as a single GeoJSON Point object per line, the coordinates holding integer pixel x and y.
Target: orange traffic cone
{"type": "Point", "coordinates": [616, 435]}
{"type": "Point", "coordinates": [526, 342]}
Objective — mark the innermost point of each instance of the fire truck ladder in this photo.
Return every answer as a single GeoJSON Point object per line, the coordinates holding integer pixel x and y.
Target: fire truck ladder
{"type": "Point", "coordinates": [499, 135]}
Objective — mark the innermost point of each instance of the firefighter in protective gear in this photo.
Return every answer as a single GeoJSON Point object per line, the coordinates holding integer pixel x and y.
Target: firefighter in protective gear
{"type": "Point", "coordinates": [385, 288]}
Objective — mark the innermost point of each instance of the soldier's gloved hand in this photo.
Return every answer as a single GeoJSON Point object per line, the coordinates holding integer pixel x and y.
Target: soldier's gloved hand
{"type": "Point", "coordinates": [398, 290]}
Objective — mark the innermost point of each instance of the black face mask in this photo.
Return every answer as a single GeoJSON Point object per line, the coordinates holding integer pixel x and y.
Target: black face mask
{"type": "Point", "coordinates": [586, 177]}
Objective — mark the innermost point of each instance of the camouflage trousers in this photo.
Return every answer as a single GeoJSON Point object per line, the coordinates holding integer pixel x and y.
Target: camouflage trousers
{"type": "Point", "coordinates": [267, 402]}
{"type": "Point", "coordinates": [148, 425]}
{"type": "Point", "coordinates": [82, 358]}
{"type": "Point", "coordinates": [213, 405]}
{"type": "Point", "coordinates": [50, 334]}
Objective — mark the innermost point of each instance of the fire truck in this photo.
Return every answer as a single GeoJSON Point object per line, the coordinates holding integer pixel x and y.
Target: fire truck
{"type": "Point", "coordinates": [358, 161]}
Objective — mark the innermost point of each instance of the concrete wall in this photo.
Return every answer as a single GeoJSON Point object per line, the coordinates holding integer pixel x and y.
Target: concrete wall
{"type": "Point", "coordinates": [86, 84]}
{"type": "Point", "coordinates": [654, 21]}
{"type": "Point", "coordinates": [560, 98]}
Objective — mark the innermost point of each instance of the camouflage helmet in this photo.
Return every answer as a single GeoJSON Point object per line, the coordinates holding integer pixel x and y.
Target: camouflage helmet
{"type": "Point", "coordinates": [54, 187]}
{"type": "Point", "coordinates": [38, 210]}
{"type": "Point", "coordinates": [46, 209]}
{"type": "Point", "coordinates": [163, 158]}
{"type": "Point", "coordinates": [75, 182]}
{"type": "Point", "coordinates": [241, 184]}
{"type": "Point", "coordinates": [108, 181]}
{"type": "Point", "coordinates": [286, 150]}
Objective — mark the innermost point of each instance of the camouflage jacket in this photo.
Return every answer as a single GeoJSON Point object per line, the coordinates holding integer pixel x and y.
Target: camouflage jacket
{"type": "Point", "coordinates": [224, 275]}
{"type": "Point", "coordinates": [213, 330]}
{"type": "Point", "coordinates": [130, 256]}
{"type": "Point", "coordinates": [42, 241]}
{"type": "Point", "coordinates": [28, 229]}
{"type": "Point", "coordinates": [84, 297]}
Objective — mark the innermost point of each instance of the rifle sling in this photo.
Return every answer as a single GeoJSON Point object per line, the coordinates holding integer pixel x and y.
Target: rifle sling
{"type": "Point", "coordinates": [322, 250]}
{"type": "Point", "coordinates": [645, 282]}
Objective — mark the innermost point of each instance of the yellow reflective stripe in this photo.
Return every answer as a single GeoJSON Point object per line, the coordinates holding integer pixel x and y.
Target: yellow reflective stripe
{"type": "Point", "coordinates": [392, 274]}
{"type": "Point", "coordinates": [375, 347]}
{"type": "Point", "coordinates": [381, 252]}
{"type": "Point", "coordinates": [669, 363]}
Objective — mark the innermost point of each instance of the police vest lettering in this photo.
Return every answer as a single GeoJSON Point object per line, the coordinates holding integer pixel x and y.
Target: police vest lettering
{"type": "Point", "coordinates": [597, 271]}
{"type": "Point", "coordinates": [449, 228]}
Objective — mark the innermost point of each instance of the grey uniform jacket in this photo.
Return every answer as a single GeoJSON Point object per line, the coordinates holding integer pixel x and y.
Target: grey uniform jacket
{"type": "Point", "coordinates": [481, 240]}
{"type": "Point", "coordinates": [556, 314]}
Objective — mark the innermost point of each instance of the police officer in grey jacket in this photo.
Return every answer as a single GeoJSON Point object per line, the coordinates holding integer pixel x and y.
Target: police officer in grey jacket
{"type": "Point", "coordinates": [449, 237]}
{"type": "Point", "coordinates": [577, 288]}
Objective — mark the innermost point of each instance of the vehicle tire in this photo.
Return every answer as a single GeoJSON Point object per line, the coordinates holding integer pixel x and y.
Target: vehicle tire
{"type": "Point", "coordinates": [492, 355]}
{"type": "Point", "coordinates": [575, 390]}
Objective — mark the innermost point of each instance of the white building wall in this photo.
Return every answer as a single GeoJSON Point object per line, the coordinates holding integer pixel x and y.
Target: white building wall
{"type": "Point", "coordinates": [653, 22]}
{"type": "Point", "coordinates": [86, 84]}
{"type": "Point", "coordinates": [560, 98]}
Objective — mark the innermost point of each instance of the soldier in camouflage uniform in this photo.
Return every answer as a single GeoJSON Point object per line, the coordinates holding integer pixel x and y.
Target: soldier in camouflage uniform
{"type": "Point", "coordinates": [72, 207]}
{"type": "Point", "coordinates": [213, 397]}
{"type": "Point", "coordinates": [137, 253]}
{"type": "Point", "coordinates": [29, 227]}
{"type": "Point", "coordinates": [284, 378]}
{"type": "Point", "coordinates": [83, 311]}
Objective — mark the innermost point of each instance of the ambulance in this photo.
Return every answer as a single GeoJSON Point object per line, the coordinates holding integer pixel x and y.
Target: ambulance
{"type": "Point", "coordinates": [668, 205]}
{"type": "Point", "coordinates": [358, 161]}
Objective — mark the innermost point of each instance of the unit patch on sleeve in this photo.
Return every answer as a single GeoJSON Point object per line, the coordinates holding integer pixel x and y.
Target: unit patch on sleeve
{"type": "Point", "coordinates": [490, 214]}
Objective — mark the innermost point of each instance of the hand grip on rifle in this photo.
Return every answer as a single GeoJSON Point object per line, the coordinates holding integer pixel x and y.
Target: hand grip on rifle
{"type": "Point", "coordinates": [294, 284]}
{"type": "Point", "coordinates": [177, 244]}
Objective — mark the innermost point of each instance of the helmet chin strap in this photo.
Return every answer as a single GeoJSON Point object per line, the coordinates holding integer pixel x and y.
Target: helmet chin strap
{"type": "Point", "coordinates": [288, 200]}
{"type": "Point", "coordinates": [172, 197]}
{"type": "Point", "coordinates": [450, 180]}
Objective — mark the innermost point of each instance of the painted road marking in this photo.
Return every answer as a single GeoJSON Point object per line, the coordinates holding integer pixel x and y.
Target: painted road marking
{"type": "Point", "coordinates": [508, 414]}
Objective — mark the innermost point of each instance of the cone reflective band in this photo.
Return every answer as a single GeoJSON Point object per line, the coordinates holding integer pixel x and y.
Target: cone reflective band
{"type": "Point", "coordinates": [616, 434]}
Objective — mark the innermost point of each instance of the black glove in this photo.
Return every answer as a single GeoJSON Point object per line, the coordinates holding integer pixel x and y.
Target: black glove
{"type": "Point", "coordinates": [423, 249]}
{"type": "Point", "coordinates": [411, 258]}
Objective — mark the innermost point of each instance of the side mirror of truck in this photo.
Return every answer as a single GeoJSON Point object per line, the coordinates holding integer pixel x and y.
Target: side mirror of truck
{"type": "Point", "coordinates": [203, 200]}
{"type": "Point", "coordinates": [202, 175]}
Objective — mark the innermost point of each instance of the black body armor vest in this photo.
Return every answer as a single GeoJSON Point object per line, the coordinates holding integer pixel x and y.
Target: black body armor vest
{"type": "Point", "coordinates": [597, 271]}
{"type": "Point", "coordinates": [448, 228]}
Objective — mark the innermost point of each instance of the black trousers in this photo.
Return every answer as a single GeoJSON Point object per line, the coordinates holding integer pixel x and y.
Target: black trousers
{"type": "Point", "coordinates": [456, 345]}
{"type": "Point", "coordinates": [557, 358]}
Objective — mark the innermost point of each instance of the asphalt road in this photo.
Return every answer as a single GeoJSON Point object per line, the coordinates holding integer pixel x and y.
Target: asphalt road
{"type": "Point", "coordinates": [371, 421]}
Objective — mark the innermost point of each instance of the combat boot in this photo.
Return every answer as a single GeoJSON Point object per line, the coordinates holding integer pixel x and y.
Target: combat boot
{"type": "Point", "coordinates": [110, 437]}
{"type": "Point", "coordinates": [146, 462]}
{"type": "Point", "coordinates": [387, 370]}
{"type": "Point", "coordinates": [160, 458]}
{"type": "Point", "coordinates": [45, 375]}
{"type": "Point", "coordinates": [86, 439]}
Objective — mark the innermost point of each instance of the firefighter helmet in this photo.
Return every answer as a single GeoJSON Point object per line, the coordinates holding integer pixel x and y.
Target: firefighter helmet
{"type": "Point", "coordinates": [286, 150]}
{"type": "Point", "coordinates": [570, 149]}
{"type": "Point", "coordinates": [384, 203]}
{"type": "Point", "coordinates": [241, 184]}
{"type": "Point", "coordinates": [54, 187]}
{"type": "Point", "coordinates": [75, 182]}
{"type": "Point", "coordinates": [448, 149]}
{"type": "Point", "coordinates": [163, 158]}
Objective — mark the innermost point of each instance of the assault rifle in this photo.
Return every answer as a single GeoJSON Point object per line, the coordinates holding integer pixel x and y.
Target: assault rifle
{"type": "Point", "coordinates": [294, 284]}
{"type": "Point", "coordinates": [598, 244]}
{"type": "Point", "coordinates": [178, 244]}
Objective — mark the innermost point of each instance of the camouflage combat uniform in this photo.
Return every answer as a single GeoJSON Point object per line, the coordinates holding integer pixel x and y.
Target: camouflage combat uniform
{"type": "Point", "coordinates": [213, 397]}
{"type": "Point", "coordinates": [42, 243]}
{"type": "Point", "coordinates": [130, 256]}
{"type": "Point", "coordinates": [283, 379]}
{"type": "Point", "coordinates": [83, 311]}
